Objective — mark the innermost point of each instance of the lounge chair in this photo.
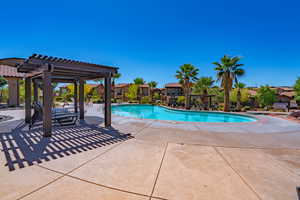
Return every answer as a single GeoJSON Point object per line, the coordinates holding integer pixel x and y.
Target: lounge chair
{"type": "Point", "coordinates": [63, 117]}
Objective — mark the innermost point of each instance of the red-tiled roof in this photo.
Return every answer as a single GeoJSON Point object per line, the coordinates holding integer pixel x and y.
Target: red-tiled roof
{"type": "Point", "coordinates": [120, 85]}
{"type": "Point", "coordinates": [173, 85]}
{"type": "Point", "coordinates": [144, 86]}
{"type": "Point", "coordinates": [287, 94]}
{"type": "Point", "coordinates": [252, 92]}
{"type": "Point", "coordinates": [8, 71]}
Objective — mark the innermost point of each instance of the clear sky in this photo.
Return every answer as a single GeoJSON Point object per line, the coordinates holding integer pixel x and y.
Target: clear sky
{"type": "Point", "coordinates": [152, 38]}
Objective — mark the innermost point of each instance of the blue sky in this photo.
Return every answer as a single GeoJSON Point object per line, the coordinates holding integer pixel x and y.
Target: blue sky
{"type": "Point", "coordinates": [151, 39]}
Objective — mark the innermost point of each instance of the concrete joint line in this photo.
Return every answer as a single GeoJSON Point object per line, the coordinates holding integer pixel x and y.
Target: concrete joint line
{"type": "Point", "coordinates": [160, 166]}
{"type": "Point", "coordinates": [65, 174]}
{"type": "Point", "coordinates": [279, 164]}
{"type": "Point", "coordinates": [147, 126]}
{"type": "Point", "coordinates": [25, 195]}
{"type": "Point", "coordinates": [243, 180]}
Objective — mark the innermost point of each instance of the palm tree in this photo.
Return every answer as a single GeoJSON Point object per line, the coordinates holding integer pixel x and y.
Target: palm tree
{"type": "Point", "coordinates": [138, 82]}
{"type": "Point", "coordinates": [239, 86]}
{"type": "Point", "coordinates": [186, 75]}
{"type": "Point", "coordinates": [115, 77]}
{"type": "Point", "coordinates": [152, 85]}
{"type": "Point", "coordinates": [202, 86]}
{"type": "Point", "coordinates": [228, 70]}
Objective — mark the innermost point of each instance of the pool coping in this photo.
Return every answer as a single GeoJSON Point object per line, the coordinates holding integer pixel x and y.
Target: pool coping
{"type": "Point", "coordinates": [259, 119]}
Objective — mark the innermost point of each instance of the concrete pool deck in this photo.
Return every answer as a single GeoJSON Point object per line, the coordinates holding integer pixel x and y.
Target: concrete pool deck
{"type": "Point", "coordinates": [160, 160]}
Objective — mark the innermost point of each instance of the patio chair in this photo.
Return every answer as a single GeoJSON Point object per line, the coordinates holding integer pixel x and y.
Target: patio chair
{"type": "Point", "coordinates": [63, 117]}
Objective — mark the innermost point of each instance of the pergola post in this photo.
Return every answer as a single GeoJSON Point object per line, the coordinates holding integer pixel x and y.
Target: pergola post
{"type": "Point", "coordinates": [13, 91]}
{"type": "Point", "coordinates": [35, 91]}
{"type": "Point", "coordinates": [107, 106]}
{"type": "Point", "coordinates": [47, 104]}
{"type": "Point", "coordinates": [81, 98]}
{"type": "Point", "coordinates": [75, 97]}
{"type": "Point", "coordinates": [27, 100]}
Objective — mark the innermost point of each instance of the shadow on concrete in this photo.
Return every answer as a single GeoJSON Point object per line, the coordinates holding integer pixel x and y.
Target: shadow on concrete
{"type": "Point", "coordinates": [22, 147]}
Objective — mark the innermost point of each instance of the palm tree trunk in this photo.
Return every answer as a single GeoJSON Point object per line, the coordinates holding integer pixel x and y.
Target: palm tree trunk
{"type": "Point", "coordinates": [239, 95]}
{"type": "Point", "coordinates": [226, 98]}
{"type": "Point", "coordinates": [187, 98]}
{"type": "Point", "coordinates": [151, 95]}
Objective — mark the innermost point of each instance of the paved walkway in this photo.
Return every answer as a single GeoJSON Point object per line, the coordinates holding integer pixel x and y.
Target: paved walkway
{"type": "Point", "coordinates": [159, 160]}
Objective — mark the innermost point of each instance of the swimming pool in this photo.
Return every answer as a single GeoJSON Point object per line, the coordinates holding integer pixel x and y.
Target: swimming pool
{"type": "Point", "coordinates": [161, 113]}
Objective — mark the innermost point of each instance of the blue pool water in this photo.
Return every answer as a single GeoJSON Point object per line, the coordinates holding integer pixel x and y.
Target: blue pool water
{"type": "Point", "coordinates": [161, 113]}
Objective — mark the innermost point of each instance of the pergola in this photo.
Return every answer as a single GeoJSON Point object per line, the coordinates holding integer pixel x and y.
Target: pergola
{"type": "Point", "coordinates": [47, 69]}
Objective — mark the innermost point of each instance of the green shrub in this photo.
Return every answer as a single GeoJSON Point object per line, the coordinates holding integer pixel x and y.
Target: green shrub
{"type": "Point", "coordinates": [266, 97]}
{"type": "Point", "coordinates": [180, 100]}
{"type": "Point", "coordinates": [156, 96]}
{"type": "Point", "coordinates": [245, 108]}
{"type": "Point", "coordinates": [132, 92]}
{"type": "Point", "coordinates": [145, 100]}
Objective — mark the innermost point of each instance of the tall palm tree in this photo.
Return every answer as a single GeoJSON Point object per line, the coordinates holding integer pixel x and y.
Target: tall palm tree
{"type": "Point", "coordinates": [228, 70]}
{"type": "Point", "coordinates": [239, 87]}
{"type": "Point", "coordinates": [202, 86]}
{"type": "Point", "coordinates": [186, 75]}
{"type": "Point", "coordinates": [115, 77]}
{"type": "Point", "coordinates": [152, 85]}
{"type": "Point", "coordinates": [138, 82]}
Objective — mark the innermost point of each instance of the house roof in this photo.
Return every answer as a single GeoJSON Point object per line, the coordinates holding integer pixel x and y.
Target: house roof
{"type": "Point", "coordinates": [252, 92]}
{"type": "Point", "coordinates": [121, 85]}
{"type": "Point", "coordinates": [173, 85]}
{"type": "Point", "coordinates": [144, 86]}
{"type": "Point", "coordinates": [287, 94]}
{"type": "Point", "coordinates": [8, 71]}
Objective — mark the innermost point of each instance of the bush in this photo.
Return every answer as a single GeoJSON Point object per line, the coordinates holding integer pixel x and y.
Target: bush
{"type": "Point", "coordinates": [97, 101]}
{"type": "Point", "coordinates": [156, 96]}
{"type": "Point", "coordinates": [245, 108]}
{"type": "Point", "coordinates": [266, 97]}
{"type": "Point", "coordinates": [132, 93]}
{"type": "Point", "coordinates": [145, 100]}
{"type": "Point", "coordinates": [180, 100]}
{"type": "Point", "coordinates": [221, 107]}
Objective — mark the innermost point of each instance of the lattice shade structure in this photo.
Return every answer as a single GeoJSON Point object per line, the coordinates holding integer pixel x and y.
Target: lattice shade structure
{"type": "Point", "coordinates": [48, 69]}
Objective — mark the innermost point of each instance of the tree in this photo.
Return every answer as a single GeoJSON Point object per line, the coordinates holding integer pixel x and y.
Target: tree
{"type": "Point", "coordinates": [115, 77]}
{"type": "Point", "coordinates": [266, 96]}
{"type": "Point", "coordinates": [3, 82]}
{"type": "Point", "coordinates": [297, 89]}
{"type": "Point", "coordinates": [228, 70]}
{"type": "Point", "coordinates": [186, 75]}
{"type": "Point", "coordinates": [152, 85]}
{"type": "Point", "coordinates": [239, 87]}
{"type": "Point", "coordinates": [88, 91]}
{"type": "Point", "coordinates": [138, 82]}
{"type": "Point", "coordinates": [202, 86]}
{"type": "Point", "coordinates": [132, 92]}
